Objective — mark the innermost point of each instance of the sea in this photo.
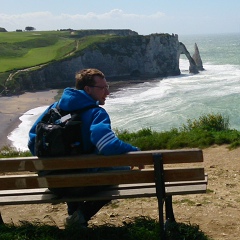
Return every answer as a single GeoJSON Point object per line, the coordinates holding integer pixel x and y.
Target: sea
{"type": "Point", "coordinates": [163, 104]}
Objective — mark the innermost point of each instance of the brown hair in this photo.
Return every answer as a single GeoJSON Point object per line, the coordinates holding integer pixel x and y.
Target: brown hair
{"type": "Point", "coordinates": [85, 77]}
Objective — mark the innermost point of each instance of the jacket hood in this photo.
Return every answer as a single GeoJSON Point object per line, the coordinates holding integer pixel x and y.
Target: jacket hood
{"type": "Point", "coordinates": [73, 99]}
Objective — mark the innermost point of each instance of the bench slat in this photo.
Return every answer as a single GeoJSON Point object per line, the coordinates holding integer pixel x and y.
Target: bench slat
{"type": "Point", "coordinates": [184, 190]}
{"type": "Point", "coordinates": [121, 186]}
{"type": "Point", "coordinates": [92, 160]}
{"type": "Point", "coordinates": [112, 194]}
{"type": "Point", "coordinates": [115, 178]}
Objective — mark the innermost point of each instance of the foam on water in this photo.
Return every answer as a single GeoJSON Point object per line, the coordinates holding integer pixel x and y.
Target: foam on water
{"type": "Point", "coordinates": [19, 136]}
{"type": "Point", "coordinates": [167, 103]}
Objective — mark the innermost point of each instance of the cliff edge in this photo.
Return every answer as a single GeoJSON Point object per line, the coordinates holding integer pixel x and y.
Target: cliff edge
{"type": "Point", "coordinates": [128, 57]}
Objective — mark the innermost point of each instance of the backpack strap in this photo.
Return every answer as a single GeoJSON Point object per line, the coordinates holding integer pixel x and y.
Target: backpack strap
{"type": "Point", "coordinates": [62, 112]}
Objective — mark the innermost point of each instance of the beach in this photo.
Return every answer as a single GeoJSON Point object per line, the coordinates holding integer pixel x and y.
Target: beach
{"type": "Point", "coordinates": [13, 107]}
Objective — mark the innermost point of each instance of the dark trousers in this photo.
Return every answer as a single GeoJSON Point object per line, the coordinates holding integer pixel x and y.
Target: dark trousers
{"type": "Point", "coordinates": [88, 208]}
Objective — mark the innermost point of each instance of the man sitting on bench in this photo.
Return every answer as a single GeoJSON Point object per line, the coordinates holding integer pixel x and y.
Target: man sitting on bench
{"type": "Point", "coordinates": [91, 89]}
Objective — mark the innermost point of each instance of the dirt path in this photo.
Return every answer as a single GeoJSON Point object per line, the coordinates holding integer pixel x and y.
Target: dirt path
{"type": "Point", "coordinates": [217, 213]}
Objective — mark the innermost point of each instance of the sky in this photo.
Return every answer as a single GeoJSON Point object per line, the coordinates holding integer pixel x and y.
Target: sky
{"type": "Point", "coordinates": [182, 17]}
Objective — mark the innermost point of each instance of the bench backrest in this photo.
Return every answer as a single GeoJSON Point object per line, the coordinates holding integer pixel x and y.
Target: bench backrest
{"type": "Point", "coordinates": [179, 165]}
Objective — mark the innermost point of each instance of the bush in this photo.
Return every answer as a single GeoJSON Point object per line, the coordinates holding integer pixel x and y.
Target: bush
{"type": "Point", "coordinates": [8, 151]}
{"type": "Point", "coordinates": [209, 122]}
{"type": "Point", "coordinates": [203, 132]}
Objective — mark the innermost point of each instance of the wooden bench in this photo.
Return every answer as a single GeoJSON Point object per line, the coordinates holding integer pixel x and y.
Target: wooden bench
{"type": "Point", "coordinates": [169, 172]}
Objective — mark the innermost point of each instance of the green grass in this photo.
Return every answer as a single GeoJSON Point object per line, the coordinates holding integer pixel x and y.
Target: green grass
{"type": "Point", "coordinates": [20, 50]}
{"type": "Point", "coordinates": [142, 228]}
{"type": "Point", "coordinates": [23, 50]}
{"type": "Point", "coordinates": [15, 37]}
{"type": "Point", "coordinates": [88, 41]}
{"type": "Point", "coordinates": [44, 55]}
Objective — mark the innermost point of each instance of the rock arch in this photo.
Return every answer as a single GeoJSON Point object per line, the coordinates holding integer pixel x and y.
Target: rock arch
{"type": "Point", "coordinates": [183, 50]}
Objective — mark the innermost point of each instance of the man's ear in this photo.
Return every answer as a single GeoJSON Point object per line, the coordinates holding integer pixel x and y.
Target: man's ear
{"type": "Point", "coordinates": [87, 89]}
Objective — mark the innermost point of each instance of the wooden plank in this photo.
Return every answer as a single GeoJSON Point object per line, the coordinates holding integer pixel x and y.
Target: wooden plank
{"type": "Point", "coordinates": [111, 194]}
{"type": "Point", "coordinates": [12, 182]}
{"type": "Point", "coordinates": [184, 174]}
{"type": "Point", "coordinates": [51, 198]}
{"type": "Point", "coordinates": [104, 178]}
{"type": "Point", "coordinates": [92, 160]}
{"type": "Point", "coordinates": [114, 187]}
{"type": "Point", "coordinates": [30, 191]}
{"type": "Point", "coordinates": [75, 180]}
{"type": "Point", "coordinates": [188, 189]}
{"type": "Point", "coordinates": [184, 183]}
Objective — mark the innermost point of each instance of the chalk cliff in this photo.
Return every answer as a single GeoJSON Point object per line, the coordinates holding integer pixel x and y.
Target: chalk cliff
{"type": "Point", "coordinates": [155, 55]}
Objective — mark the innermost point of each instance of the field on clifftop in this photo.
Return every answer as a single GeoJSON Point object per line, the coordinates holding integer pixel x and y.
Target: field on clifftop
{"type": "Point", "coordinates": [27, 49]}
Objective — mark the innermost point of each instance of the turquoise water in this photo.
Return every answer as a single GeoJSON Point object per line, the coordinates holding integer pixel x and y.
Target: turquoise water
{"type": "Point", "coordinates": [162, 104]}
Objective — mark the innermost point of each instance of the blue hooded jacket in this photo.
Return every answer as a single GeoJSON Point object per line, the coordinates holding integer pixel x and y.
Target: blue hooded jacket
{"type": "Point", "coordinates": [96, 125]}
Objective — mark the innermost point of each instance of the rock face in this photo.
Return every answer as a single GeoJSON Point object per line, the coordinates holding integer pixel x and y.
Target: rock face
{"type": "Point", "coordinates": [196, 57]}
{"type": "Point", "coordinates": [155, 55]}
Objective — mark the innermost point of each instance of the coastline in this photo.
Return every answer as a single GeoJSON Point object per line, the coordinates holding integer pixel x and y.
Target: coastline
{"type": "Point", "coordinates": [13, 107]}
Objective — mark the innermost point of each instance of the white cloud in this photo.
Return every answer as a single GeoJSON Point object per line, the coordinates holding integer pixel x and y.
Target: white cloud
{"type": "Point", "coordinates": [111, 15]}
{"type": "Point", "coordinates": [155, 22]}
{"type": "Point", "coordinates": [116, 18]}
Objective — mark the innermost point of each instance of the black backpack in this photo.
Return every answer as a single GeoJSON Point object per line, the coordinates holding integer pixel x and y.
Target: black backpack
{"type": "Point", "coordinates": [59, 133]}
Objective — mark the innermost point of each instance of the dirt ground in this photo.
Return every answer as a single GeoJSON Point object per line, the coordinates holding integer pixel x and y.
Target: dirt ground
{"type": "Point", "coordinates": [217, 213]}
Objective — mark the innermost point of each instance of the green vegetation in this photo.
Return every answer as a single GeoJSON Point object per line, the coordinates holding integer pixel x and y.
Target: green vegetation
{"type": "Point", "coordinates": [141, 228]}
{"type": "Point", "coordinates": [20, 50]}
{"type": "Point", "coordinates": [208, 130]}
{"type": "Point", "coordinates": [24, 49]}
{"type": "Point", "coordinates": [7, 152]}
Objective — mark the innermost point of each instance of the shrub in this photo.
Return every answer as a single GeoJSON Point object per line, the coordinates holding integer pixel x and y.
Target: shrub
{"type": "Point", "coordinates": [209, 122]}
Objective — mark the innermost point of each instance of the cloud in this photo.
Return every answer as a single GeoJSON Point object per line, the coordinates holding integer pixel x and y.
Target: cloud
{"type": "Point", "coordinates": [115, 18]}
{"type": "Point", "coordinates": [112, 15]}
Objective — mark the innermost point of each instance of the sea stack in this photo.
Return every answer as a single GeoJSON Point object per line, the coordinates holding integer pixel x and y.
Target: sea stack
{"type": "Point", "coordinates": [196, 57]}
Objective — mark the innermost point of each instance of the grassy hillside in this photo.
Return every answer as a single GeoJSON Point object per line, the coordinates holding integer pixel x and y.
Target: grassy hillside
{"type": "Point", "coordinates": [26, 49]}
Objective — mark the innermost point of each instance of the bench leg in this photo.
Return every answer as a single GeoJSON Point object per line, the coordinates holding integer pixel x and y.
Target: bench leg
{"type": "Point", "coordinates": [1, 220]}
{"type": "Point", "coordinates": [161, 217]}
{"type": "Point", "coordinates": [169, 209]}
{"type": "Point", "coordinates": [160, 190]}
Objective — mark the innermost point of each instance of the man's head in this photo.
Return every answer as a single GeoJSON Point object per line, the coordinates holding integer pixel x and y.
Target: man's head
{"type": "Point", "coordinates": [93, 82]}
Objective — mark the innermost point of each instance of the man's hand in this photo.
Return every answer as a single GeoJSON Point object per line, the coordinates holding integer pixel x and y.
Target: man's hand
{"type": "Point", "coordinates": [139, 167]}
